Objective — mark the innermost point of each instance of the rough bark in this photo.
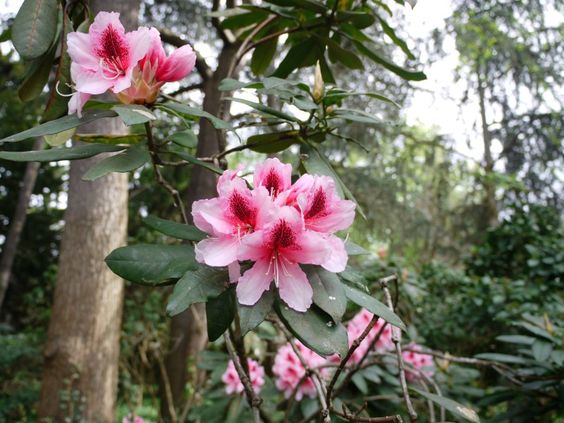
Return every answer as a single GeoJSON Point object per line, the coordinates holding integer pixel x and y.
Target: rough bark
{"type": "Point", "coordinates": [188, 332]}
{"type": "Point", "coordinates": [81, 355]}
{"type": "Point", "coordinates": [17, 223]}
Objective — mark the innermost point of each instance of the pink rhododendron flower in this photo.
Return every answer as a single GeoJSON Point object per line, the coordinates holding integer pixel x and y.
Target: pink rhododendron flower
{"type": "Point", "coordinates": [136, 419]}
{"type": "Point", "coordinates": [104, 58]}
{"type": "Point", "coordinates": [289, 370]}
{"type": "Point", "coordinates": [277, 250]}
{"type": "Point", "coordinates": [155, 69]}
{"type": "Point", "coordinates": [273, 175]}
{"type": "Point", "coordinates": [421, 362]}
{"type": "Point", "coordinates": [233, 383]}
{"type": "Point", "coordinates": [356, 326]}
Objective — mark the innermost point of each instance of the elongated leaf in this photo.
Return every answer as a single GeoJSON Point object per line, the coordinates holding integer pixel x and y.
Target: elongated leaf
{"type": "Point", "coordinates": [356, 116]}
{"type": "Point", "coordinates": [110, 139]}
{"type": "Point", "coordinates": [60, 125]}
{"type": "Point", "coordinates": [194, 160]}
{"type": "Point", "coordinates": [315, 329]}
{"type": "Point", "coordinates": [542, 350]}
{"type": "Point", "coordinates": [374, 306]}
{"type": "Point", "coordinates": [516, 339]}
{"type": "Point", "coordinates": [503, 358]}
{"type": "Point", "coordinates": [34, 27]}
{"type": "Point", "coordinates": [133, 114]}
{"type": "Point", "coordinates": [59, 139]}
{"type": "Point", "coordinates": [346, 57]}
{"type": "Point", "coordinates": [251, 317]}
{"type": "Point", "coordinates": [151, 264]}
{"type": "Point", "coordinates": [312, 5]}
{"type": "Point", "coordinates": [265, 109]}
{"type": "Point", "coordinates": [457, 409]}
{"type": "Point", "coordinates": [129, 160]}
{"type": "Point", "coordinates": [229, 84]}
{"type": "Point", "coordinates": [174, 229]}
{"type": "Point", "coordinates": [37, 75]}
{"type": "Point", "coordinates": [304, 53]}
{"type": "Point", "coordinates": [196, 286]}
{"type": "Point", "coordinates": [389, 31]}
{"type": "Point", "coordinates": [55, 154]}
{"type": "Point", "coordinates": [220, 312]}
{"type": "Point", "coordinates": [263, 55]}
{"type": "Point", "coordinates": [359, 19]}
{"type": "Point", "coordinates": [404, 73]}
{"type": "Point", "coordinates": [328, 291]}
{"type": "Point", "coordinates": [243, 20]}
{"type": "Point", "coordinates": [186, 138]}
{"type": "Point", "coordinates": [332, 98]}
{"type": "Point", "coordinates": [273, 143]}
{"type": "Point", "coordinates": [354, 278]}
{"type": "Point", "coordinates": [193, 113]}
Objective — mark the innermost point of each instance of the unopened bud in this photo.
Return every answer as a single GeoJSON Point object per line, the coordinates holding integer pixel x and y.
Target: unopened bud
{"type": "Point", "coordinates": [318, 84]}
{"type": "Point", "coordinates": [547, 325]}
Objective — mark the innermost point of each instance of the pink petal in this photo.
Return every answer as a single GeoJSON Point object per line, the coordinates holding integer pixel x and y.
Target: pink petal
{"type": "Point", "coordinates": [178, 65]}
{"type": "Point", "coordinates": [337, 259]}
{"type": "Point", "coordinates": [77, 102]}
{"type": "Point", "coordinates": [311, 248]}
{"type": "Point", "coordinates": [234, 271]}
{"type": "Point", "coordinates": [254, 282]}
{"type": "Point", "coordinates": [139, 42]}
{"type": "Point", "coordinates": [275, 176]}
{"type": "Point", "coordinates": [253, 247]}
{"type": "Point", "coordinates": [80, 50]}
{"type": "Point", "coordinates": [294, 287]}
{"type": "Point", "coordinates": [89, 81]}
{"type": "Point", "coordinates": [101, 23]}
{"type": "Point", "coordinates": [209, 216]}
{"type": "Point", "coordinates": [217, 252]}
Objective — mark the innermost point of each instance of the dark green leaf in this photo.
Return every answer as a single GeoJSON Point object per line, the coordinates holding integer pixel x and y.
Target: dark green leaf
{"type": "Point", "coordinates": [34, 27]}
{"type": "Point", "coordinates": [346, 57]}
{"type": "Point", "coordinates": [174, 229]}
{"type": "Point", "coordinates": [194, 113]}
{"type": "Point", "coordinates": [220, 312]}
{"type": "Point", "coordinates": [229, 84]}
{"type": "Point", "coordinates": [37, 75]}
{"type": "Point", "coordinates": [359, 19]}
{"type": "Point", "coordinates": [374, 306]}
{"type": "Point", "coordinates": [151, 264]}
{"type": "Point", "coordinates": [243, 20]}
{"type": "Point", "coordinates": [55, 154]}
{"type": "Point", "coordinates": [263, 55]}
{"type": "Point", "coordinates": [542, 350]}
{"type": "Point", "coordinates": [273, 143]}
{"type": "Point", "coordinates": [304, 53]}
{"type": "Point", "coordinates": [389, 31]}
{"type": "Point", "coordinates": [251, 317]}
{"type": "Point", "coordinates": [503, 358]}
{"type": "Point", "coordinates": [404, 73]}
{"type": "Point", "coordinates": [328, 291]}
{"type": "Point", "coordinates": [129, 160]}
{"type": "Point", "coordinates": [356, 116]}
{"type": "Point", "coordinates": [312, 5]}
{"type": "Point", "coordinates": [133, 114]}
{"type": "Point", "coordinates": [186, 138]}
{"type": "Point", "coordinates": [354, 278]}
{"type": "Point", "coordinates": [516, 339]}
{"type": "Point", "coordinates": [450, 405]}
{"type": "Point", "coordinates": [197, 286]}
{"type": "Point", "coordinates": [315, 329]}
{"type": "Point", "coordinates": [60, 125]}
{"type": "Point", "coordinates": [110, 139]}
{"type": "Point", "coordinates": [265, 109]}
{"type": "Point", "coordinates": [355, 249]}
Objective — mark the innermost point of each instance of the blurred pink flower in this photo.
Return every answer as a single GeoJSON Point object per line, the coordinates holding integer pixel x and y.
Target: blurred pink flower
{"type": "Point", "coordinates": [277, 250]}
{"type": "Point", "coordinates": [421, 362]}
{"type": "Point", "coordinates": [104, 58]}
{"type": "Point", "coordinates": [289, 371]}
{"type": "Point", "coordinates": [155, 69]}
{"type": "Point", "coordinates": [356, 326]}
{"type": "Point", "coordinates": [136, 419]}
{"type": "Point", "coordinates": [233, 383]}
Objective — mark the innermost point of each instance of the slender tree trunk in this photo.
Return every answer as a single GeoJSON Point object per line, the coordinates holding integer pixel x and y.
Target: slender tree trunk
{"type": "Point", "coordinates": [80, 371]}
{"type": "Point", "coordinates": [188, 332]}
{"type": "Point", "coordinates": [489, 185]}
{"type": "Point", "coordinates": [17, 223]}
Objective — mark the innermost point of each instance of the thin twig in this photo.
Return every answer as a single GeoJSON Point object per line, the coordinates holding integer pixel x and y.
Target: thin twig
{"type": "Point", "coordinates": [396, 338]}
{"type": "Point", "coordinates": [168, 391]}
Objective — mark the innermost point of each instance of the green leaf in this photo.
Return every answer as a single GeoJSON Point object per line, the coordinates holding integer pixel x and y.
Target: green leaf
{"type": "Point", "coordinates": [37, 75]}
{"type": "Point", "coordinates": [541, 350]}
{"type": "Point", "coordinates": [186, 138]}
{"type": "Point", "coordinates": [126, 161]}
{"type": "Point", "coordinates": [516, 339]}
{"type": "Point", "coordinates": [34, 27]}
{"type": "Point", "coordinates": [265, 109]}
{"type": "Point", "coordinates": [404, 73]}
{"type": "Point", "coordinates": [243, 20]}
{"type": "Point", "coordinates": [328, 291]}
{"type": "Point", "coordinates": [194, 160]}
{"type": "Point", "coordinates": [230, 84]}
{"type": "Point", "coordinates": [354, 249]}
{"type": "Point", "coordinates": [341, 55]}
{"type": "Point", "coordinates": [312, 5]}
{"type": "Point", "coordinates": [503, 358]}
{"type": "Point", "coordinates": [197, 286]}
{"type": "Point", "coordinates": [450, 405]}
{"type": "Point", "coordinates": [111, 139]}
{"type": "Point", "coordinates": [274, 142]}
{"type": "Point", "coordinates": [194, 113]}
{"type": "Point", "coordinates": [251, 317]}
{"type": "Point", "coordinates": [263, 55]}
{"type": "Point", "coordinates": [354, 278]}
{"type": "Point", "coordinates": [55, 154]}
{"type": "Point", "coordinates": [220, 312]}
{"type": "Point", "coordinates": [335, 97]}
{"type": "Point", "coordinates": [151, 264]}
{"type": "Point", "coordinates": [360, 20]}
{"type": "Point", "coordinates": [315, 329]}
{"type": "Point", "coordinates": [304, 53]}
{"type": "Point", "coordinates": [60, 125]}
{"type": "Point", "coordinates": [389, 31]}
{"type": "Point", "coordinates": [59, 139]}
{"type": "Point", "coordinates": [355, 116]}
{"type": "Point", "coordinates": [174, 229]}
{"type": "Point", "coordinates": [374, 306]}
{"type": "Point", "coordinates": [133, 114]}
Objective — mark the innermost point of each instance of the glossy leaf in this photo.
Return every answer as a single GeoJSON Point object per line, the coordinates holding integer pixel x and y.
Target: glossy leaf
{"type": "Point", "coordinates": [265, 109]}
{"type": "Point", "coordinates": [315, 329]}
{"type": "Point", "coordinates": [389, 31]}
{"type": "Point", "coordinates": [263, 55]}
{"type": "Point", "coordinates": [133, 114]}
{"type": "Point", "coordinates": [328, 291]}
{"type": "Point", "coordinates": [251, 317]}
{"type": "Point", "coordinates": [273, 143]}
{"type": "Point", "coordinates": [174, 229]}
{"type": "Point", "coordinates": [152, 264]}
{"type": "Point", "coordinates": [34, 27]}
{"type": "Point", "coordinates": [55, 154]}
{"type": "Point", "coordinates": [374, 306]}
{"type": "Point", "coordinates": [37, 76]}
{"type": "Point", "coordinates": [304, 53]}
{"type": "Point", "coordinates": [59, 139]}
{"type": "Point", "coordinates": [130, 159]}
{"type": "Point", "coordinates": [404, 73]}
{"type": "Point", "coordinates": [194, 160]}
{"type": "Point", "coordinates": [220, 312]}
{"type": "Point", "coordinates": [194, 113]}
{"type": "Point", "coordinates": [196, 286]}
{"type": "Point", "coordinates": [454, 407]}
{"type": "Point", "coordinates": [186, 138]}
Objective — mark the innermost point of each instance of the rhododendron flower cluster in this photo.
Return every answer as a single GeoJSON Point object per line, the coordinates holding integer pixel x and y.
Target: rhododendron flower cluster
{"type": "Point", "coordinates": [278, 226]}
{"type": "Point", "coordinates": [233, 384]}
{"type": "Point", "coordinates": [356, 326]}
{"type": "Point", "coordinates": [422, 363]}
{"type": "Point", "coordinates": [136, 419]}
{"type": "Point", "coordinates": [289, 370]}
{"type": "Point", "coordinates": [133, 65]}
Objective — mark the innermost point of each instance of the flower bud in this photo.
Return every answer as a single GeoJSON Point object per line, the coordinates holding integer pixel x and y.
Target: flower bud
{"type": "Point", "coordinates": [318, 85]}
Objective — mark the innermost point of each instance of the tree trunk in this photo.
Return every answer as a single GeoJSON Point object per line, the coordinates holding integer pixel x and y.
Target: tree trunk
{"type": "Point", "coordinates": [188, 332]}
{"type": "Point", "coordinates": [81, 356]}
{"type": "Point", "coordinates": [17, 223]}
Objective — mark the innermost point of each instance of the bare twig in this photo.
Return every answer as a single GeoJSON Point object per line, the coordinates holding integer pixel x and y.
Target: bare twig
{"type": "Point", "coordinates": [396, 338]}
{"type": "Point", "coordinates": [168, 391]}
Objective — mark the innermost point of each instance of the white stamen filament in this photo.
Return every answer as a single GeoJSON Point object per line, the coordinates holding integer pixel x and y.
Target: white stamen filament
{"type": "Point", "coordinates": [60, 93]}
